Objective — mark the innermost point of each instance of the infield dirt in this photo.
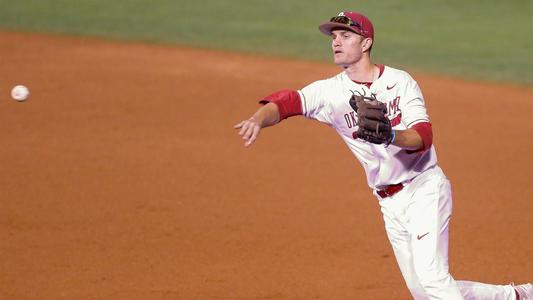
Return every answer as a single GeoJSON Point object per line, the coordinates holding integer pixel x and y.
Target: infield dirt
{"type": "Point", "coordinates": [123, 178]}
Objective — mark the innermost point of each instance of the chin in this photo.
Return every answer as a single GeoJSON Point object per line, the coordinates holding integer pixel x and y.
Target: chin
{"type": "Point", "coordinates": [341, 63]}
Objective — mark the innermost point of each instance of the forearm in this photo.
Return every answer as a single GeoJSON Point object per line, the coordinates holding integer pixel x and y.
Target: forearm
{"type": "Point", "coordinates": [277, 106]}
{"type": "Point", "coordinates": [408, 139]}
{"type": "Point", "coordinates": [267, 115]}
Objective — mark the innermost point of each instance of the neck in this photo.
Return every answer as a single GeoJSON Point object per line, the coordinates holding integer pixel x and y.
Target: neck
{"type": "Point", "coordinates": [362, 71]}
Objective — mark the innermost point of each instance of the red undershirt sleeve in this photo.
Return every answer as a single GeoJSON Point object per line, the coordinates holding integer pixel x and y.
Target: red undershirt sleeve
{"type": "Point", "coordinates": [426, 133]}
{"type": "Point", "coordinates": [288, 102]}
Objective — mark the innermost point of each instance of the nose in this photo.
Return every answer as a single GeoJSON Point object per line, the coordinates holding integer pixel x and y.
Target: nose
{"type": "Point", "coordinates": [336, 41]}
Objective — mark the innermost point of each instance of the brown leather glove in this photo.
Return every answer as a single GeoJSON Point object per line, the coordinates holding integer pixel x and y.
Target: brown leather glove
{"type": "Point", "coordinates": [374, 126]}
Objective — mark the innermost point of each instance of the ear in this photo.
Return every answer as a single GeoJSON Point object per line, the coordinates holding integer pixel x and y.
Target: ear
{"type": "Point", "coordinates": [367, 44]}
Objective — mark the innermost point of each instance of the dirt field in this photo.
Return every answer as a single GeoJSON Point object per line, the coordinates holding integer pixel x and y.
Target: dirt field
{"type": "Point", "coordinates": [122, 178]}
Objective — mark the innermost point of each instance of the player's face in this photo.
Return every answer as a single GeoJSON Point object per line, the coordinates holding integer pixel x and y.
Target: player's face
{"type": "Point", "coordinates": [348, 47]}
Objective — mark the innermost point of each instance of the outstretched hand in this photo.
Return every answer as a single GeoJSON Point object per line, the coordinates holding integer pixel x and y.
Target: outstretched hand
{"type": "Point", "coordinates": [249, 130]}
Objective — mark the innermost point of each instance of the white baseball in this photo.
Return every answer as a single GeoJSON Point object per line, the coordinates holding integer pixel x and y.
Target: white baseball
{"type": "Point", "coordinates": [20, 93]}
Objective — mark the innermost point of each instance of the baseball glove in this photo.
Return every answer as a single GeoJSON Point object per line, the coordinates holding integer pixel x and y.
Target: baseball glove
{"type": "Point", "coordinates": [374, 126]}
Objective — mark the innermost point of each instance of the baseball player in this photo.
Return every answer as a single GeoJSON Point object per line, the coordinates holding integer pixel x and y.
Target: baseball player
{"type": "Point", "coordinates": [380, 114]}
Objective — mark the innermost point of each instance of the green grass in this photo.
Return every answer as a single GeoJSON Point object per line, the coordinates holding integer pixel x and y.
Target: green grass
{"type": "Point", "coordinates": [471, 39]}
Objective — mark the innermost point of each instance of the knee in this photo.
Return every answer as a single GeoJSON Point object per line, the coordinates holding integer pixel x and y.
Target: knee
{"type": "Point", "coordinates": [428, 279]}
{"type": "Point", "coordinates": [418, 292]}
{"type": "Point", "coordinates": [434, 283]}
{"type": "Point", "coordinates": [415, 288]}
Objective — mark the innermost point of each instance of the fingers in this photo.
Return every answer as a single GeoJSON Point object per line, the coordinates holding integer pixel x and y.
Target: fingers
{"type": "Point", "coordinates": [374, 126]}
{"type": "Point", "coordinates": [353, 103]}
{"type": "Point", "coordinates": [244, 128]}
{"type": "Point", "coordinates": [372, 114]}
{"type": "Point", "coordinates": [249, 130]}
{"type": "Point", "coordinates": [237, 126]}
{"type": "Point", "coordinates": [371, 105]}
{"type": "Point", "coordinates": [253, 136]}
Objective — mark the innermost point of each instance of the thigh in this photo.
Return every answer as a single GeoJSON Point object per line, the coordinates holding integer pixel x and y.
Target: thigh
{"type": "Point", "coordinates": [429, 216]}
{"type": "Point", "coordinates": [399, 239]}
{"type": "Point", "coordinates": [428, 223]}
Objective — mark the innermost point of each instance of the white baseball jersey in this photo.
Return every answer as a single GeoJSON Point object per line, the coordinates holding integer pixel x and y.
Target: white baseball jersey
{"type": "Point", "coordinates": [417, 215]}
{"type": "Point", "coordinates": [328, 101]}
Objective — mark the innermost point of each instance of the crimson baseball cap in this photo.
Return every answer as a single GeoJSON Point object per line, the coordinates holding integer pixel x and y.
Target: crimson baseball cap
{"type": "Point", "coordinates": [349, 20]}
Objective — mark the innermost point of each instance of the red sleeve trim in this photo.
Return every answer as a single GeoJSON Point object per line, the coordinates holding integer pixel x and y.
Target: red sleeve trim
{"type": "Point", "coordinates": [426, 133]}
{"type": "Point", "coordinates": [288, 102]}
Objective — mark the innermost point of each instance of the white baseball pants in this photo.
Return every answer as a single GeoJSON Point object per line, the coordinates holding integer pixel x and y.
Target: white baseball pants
{"type": "Point", "coordinates": [417, 221]}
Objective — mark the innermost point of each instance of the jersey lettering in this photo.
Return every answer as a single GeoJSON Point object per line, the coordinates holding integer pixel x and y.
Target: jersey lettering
{"type": "Point", "coordinates": [328, 101]}
{"type": "Point", "coordinates": [350, 119]}
{"type": "Point", "coordinates": [394, 112]}
{"type": "Point", "coordinates": [394, 106]}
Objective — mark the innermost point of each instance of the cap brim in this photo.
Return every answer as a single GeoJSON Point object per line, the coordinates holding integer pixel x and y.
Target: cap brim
{"type": "Point", "coordinates": [327, 28]}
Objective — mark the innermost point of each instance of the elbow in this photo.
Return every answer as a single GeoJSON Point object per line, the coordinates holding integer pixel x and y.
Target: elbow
{"type": "Point", "coordinates": [425, 132]}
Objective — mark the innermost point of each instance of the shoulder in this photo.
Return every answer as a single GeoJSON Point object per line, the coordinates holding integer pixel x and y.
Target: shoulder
{"type": "Point", "coordinates": [335, 79]}
{"type": "Point", "coordinates": [327, 83]}
{"type": "Point", "coordinates": [397, 74]}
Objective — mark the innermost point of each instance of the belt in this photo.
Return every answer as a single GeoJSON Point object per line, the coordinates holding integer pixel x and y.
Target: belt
{"type": "Point", "coordinates": [389, 190]}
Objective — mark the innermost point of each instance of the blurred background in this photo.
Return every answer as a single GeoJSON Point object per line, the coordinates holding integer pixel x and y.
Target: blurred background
{"type": "Point", "coordinates": [477, 39]}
